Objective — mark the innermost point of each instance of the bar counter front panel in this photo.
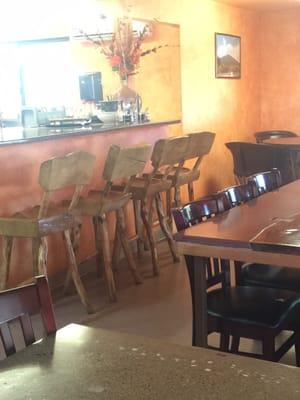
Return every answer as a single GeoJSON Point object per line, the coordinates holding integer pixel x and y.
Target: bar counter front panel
{"type": "Point", "coordinates": [23, 151]}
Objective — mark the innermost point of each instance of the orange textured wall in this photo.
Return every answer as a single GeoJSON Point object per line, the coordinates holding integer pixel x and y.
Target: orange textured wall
{"type": "Point", "coordinates": [279, 72]}
{"type": "Point", "coordinates": [231, 108]}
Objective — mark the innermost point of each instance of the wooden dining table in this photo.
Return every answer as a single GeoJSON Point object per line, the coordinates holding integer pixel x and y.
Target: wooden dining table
{"type": "Point", "coordinates": [264, 230]}
{"type": "Point", "coordinates": [80, 362]}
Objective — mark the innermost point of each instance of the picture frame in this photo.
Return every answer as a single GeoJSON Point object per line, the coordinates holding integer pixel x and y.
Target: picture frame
{"type": "Point", "coordinates": [227, 56]}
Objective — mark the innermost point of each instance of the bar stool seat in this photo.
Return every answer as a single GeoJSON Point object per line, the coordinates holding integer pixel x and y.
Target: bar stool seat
{"type": "Point", "coordinates": [179, 175]}
{"type": "Point", "coordinates": [98, 202]}
{"type": "Point", "coordinates": [141, 188]}
{"type": "Point", "coordinates": [185, 175]}
{"type": "Point", "coordinates": [73, 170]}
{"type": "Point", "coordinates": [27, 223]}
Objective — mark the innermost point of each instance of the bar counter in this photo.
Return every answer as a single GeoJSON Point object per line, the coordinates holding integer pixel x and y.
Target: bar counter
{"type": "Point", "coordinates": [18, 134]}
{"type": "Point", "coordinates": [21, 155]}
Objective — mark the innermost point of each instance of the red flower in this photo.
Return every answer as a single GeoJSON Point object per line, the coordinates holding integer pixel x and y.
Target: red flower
{"type": "Point", "coordinates": [115, 60]}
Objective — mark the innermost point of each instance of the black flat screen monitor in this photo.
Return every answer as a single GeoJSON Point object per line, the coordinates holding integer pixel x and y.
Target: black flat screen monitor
{"type": "Point", "coordinates": [91, 87]}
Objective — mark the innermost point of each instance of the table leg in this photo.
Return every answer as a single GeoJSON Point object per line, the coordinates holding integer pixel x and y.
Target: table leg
{"type": "Point", "coordinates": [197, 274]}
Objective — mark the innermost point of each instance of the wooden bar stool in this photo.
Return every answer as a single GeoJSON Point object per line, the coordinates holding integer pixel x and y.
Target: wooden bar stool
{"type": "Point", "coordinates": [121, 164]}
{"type": "Point", "coordinates": [37, 223]}
{"type": "Point", "coordinates": [167, 157]}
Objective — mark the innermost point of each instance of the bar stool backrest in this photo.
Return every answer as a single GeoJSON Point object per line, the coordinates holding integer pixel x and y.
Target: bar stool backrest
{"type": "Point", "coordinates": [169, 152]}
{"type": "Point", "coordinates": [125, 163]}
{"type": "Point", "coordinates": [199, 145]}
{"type": "Point", "coordinates": [69, 170]}
{"type": "Point", "coordinates": [74, 169]}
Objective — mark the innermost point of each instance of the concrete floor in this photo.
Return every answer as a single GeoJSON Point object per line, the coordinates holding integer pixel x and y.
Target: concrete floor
{"type": "Point", "coordinates": [158, 308]}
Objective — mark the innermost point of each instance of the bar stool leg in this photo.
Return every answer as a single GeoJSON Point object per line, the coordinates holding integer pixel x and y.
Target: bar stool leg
{"type": "Point", "coordinates": [177, 196]}
{"type": "Point", "coordinates": [191, 191]}
{"type": "Point", "coordinates": [169, 207]}
{"type": "Point", "coordinates": [75, 273]}
{"type": "Point", "coordinates": [138, 227]}
{"type": "Point", "coordinates": [165, 228]}
{"type": "Point", "coordinates": [107, 258]}
{"type": "Point", "coordinates": [150, 221]}
{"type": "Point", "coordinates": [6, 256]}
{"type": "Point", "coordinates": [148, 227]}
{"type": "Point", "coordinates": [35, 255]}
{"type": "Point", "coordinates": [75, 238]}
{"type": "Point", "coordinates": [39, 256]}
{"type": "Point", "coordinates": [116, 251]}
{"type": "Point", "coordinates": [98, 245]}
{"type": "Point", "coordinates": [120, 232]}
{"type": "Point", "coordinates": [42, 256]}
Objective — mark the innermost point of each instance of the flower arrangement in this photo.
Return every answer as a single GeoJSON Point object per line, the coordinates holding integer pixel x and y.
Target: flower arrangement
{"type": "Point", "coordinates": [124, 50]}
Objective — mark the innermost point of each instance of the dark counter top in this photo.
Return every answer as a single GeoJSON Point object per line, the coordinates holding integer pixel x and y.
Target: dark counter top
{"type": "Point", "coordinates": [20, 135]}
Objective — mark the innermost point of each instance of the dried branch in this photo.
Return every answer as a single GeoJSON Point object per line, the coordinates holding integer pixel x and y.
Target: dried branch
{"type": "Point", "coordinates": [125, 48]}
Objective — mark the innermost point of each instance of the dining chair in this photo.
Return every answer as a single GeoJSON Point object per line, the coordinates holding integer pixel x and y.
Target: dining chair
{"type": "Point", "coordinates": [263, 275]}
{"type": "Point", "coordinates": [242, 311]}
{"type": "Point", "coordinates": [273, 134]}
{"type": "Point", "coordinates": [251, 158]}
{"type": "Point", "coordinates": [240, 194]}
{"type": "Point", "coordinates": [17, 305]}
{"type": "Point", "coordinates": [266, 181]}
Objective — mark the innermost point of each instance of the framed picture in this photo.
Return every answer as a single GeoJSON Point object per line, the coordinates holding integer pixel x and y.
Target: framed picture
{"type": "Point", "coordinates": [227, 56]}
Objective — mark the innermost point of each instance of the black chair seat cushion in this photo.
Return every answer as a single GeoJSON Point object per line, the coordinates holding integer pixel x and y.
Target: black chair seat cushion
{"type": "Point", "coordinates": [265, 307]}
{"type": "Point", "coordinates": [271, 276]}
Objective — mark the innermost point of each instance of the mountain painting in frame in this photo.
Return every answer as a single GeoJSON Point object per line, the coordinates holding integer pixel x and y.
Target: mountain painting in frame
{"type": "Point", "coordinates": [227, 56]}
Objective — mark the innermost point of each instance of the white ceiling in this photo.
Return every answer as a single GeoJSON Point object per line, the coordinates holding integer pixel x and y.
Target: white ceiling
{"type": "Point", "coordinates": [264, 4]}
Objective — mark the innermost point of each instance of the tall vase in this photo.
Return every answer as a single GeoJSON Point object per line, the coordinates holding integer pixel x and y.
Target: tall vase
{"type": "Point", "coordinates": [126, 90]}
{"type": "Point", "coordinates": [130, 100]}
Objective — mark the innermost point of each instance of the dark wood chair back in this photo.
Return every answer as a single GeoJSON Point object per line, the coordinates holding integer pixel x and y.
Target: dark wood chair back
{"type": "Point", "coordinates": [266, 181]}
{"type": "Point", "coordinates": [217, 271]}
{"type": "Point", "coordinates": [240, 194]}
{"type": "Point", "coordinates": [251, 158]}
{"type": "Point", "coordinates": [200, 210]}
{"type": "Point", "coordinates": [19, 305]}
{"type": "Point", "coordinates": [194, 212]}
{"type": "Point", "coordinates": [266, 135]}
